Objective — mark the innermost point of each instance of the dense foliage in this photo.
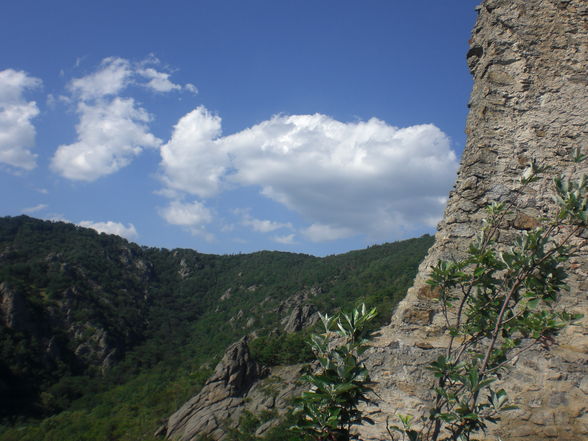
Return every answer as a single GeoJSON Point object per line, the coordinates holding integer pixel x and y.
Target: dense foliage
{"type": "Point", "coordinates": [106, 338]}
{"type": "Point", "coordinates": [329, 408]}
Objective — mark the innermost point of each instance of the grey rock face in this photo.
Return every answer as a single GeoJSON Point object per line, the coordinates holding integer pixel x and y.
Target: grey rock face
{"type": "Point", "coordinates": [221, 400]}
{"type": "Point", "coordinates": [14, 313]}
{"type": "Point", "coordinates": [297, 312]}
{"type": "Point", "coordinates": [529, 60]}
{"type": "Point", "coordinates": [301, 317]}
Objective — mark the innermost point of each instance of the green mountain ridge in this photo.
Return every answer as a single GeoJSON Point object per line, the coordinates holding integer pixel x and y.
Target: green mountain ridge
{"type": "Point", "coordinates": [101, 338]}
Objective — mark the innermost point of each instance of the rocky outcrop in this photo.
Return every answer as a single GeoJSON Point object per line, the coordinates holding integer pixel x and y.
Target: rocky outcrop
{"type": "Point", "coordinates": [300, 317]}
{"type": "Point", "coordinates": [272, 395]}
{"type": "Point", "coordinates": [297, 312]}
{"type": "Point", "coordinates": [239, 384]}
{"type": "Point", "coordinates": [220, 402]}
{"type": "Point", "coordinates": [83, 341]}
{"type": "Point", "coordinates": [529, 60]}
{"type": "Point", "coordinates": [14, 311]}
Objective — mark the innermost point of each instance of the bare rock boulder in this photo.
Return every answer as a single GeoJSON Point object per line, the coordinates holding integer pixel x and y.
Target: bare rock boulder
{"type": "Point", "coordinates": [220, 401]}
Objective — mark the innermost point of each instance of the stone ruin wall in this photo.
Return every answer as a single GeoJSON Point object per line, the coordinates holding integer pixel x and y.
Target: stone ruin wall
{"type": "Point", "coordinates": [529, 60]}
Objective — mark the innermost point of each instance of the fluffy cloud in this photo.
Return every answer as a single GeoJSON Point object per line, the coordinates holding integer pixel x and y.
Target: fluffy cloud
{"type": "Point", "coordinates": [115, 74]}
{"type": "Point", "coordinates": [192, 215]}
{"type": "Point", "coordinates": [36, 208]}
{"type": "Point", "coordinates": [190, 88]}
{"type": "Point", "coordinates": [261, 225]}
{"type": "Point", "coordinates": [160, 82]}
{"type": "Point", "coordinates": [17, 133]}
{"type": "Point", "coordinates": [323, 233]}
{"type": "Point", "coordinates": [111, 78]}
{"type": "Point", "coordinates": [110, 135]}
{"type": "Point", "coordinates": [363, 177]}
{"type": "Point", "coordinates": [129, 232]}
{"type": "Point", "coordinates": [112, 129]}
{"type": "Point", "coordinates": [193, 160]}
{"type": "Point", "coordinates": [288, 239]}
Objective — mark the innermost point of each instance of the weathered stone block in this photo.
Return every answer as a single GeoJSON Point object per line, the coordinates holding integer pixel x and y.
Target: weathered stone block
{"type": "Point", "coordinates": [427, 292]}
{"type": "Point", "coordinates": [418, 316]}
{"type": "Point", "coordinates": [523, 221]}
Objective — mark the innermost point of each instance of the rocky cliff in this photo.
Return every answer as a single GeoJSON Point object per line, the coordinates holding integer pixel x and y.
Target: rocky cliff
{"type": "Point", "coordinates": [529, 60]}
{"type": "Point", "coordinates": [239, 384]}
{"type": "Point", "coordinates": [221, 400]}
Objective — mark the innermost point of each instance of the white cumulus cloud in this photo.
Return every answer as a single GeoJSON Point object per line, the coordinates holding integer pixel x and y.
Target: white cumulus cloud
{"type": "Point", "coordinates": [160, 82]}
{"type": "Point", "coordinates": [110, 134]}
{"type": "Point", "coordinates": [364, 177]}
{"type": "Point", "coordinates": [261, 225]}
{"type": "Point", "coordinates": [193, 160]}
{"type": "Point", "coordinates": [113, 75]}
{"type": "Point", "coordinates": [191, 88]}
{"type": "Point", "coordinates": [113, 129]}
{"type": "Point", "coordinates": [287, 239]}
{"type": "Point", "coordinates": [323, 233]}
{"type": "Point", "coordinates": [17, 133]}
{"type": "Point", "coordinates": [194, 216]}
{"type": "Point", "coordinates": [128, 232]}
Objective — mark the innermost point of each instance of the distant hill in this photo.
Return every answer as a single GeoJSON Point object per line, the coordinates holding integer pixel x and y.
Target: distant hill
{"type": "Point", "coordinates": [86, 317]}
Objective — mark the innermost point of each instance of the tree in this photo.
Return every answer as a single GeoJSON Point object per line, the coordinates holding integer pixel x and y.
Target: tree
{"type": "Point", "coordinates": [498, 302]}
{"type": "Point", "coordinates": [329, 408]}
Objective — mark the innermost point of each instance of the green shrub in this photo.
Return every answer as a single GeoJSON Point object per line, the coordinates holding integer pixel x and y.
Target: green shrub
{"type": "Point", "coordinates": [329, 409]}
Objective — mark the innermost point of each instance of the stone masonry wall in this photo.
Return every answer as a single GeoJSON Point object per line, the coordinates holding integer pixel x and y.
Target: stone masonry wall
{"type": "Point", "coordinates": [529, 60]}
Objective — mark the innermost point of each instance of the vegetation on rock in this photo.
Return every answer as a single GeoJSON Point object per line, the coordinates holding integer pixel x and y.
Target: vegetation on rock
{"type": "Point", "coordinates": [498, 302]}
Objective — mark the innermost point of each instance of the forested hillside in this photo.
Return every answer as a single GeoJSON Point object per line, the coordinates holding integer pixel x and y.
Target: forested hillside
{"type": "Point", "coordinates": [102, 339]}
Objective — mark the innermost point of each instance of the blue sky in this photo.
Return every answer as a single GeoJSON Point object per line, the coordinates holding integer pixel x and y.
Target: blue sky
{"type": "Point", "coordinates": [234, 126]}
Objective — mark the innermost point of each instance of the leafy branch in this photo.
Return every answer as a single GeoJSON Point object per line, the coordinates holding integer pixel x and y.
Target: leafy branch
{"type": "Point", "coordinates": [498, 303]}
{"type": "Point", "coordinates": [328, 410]}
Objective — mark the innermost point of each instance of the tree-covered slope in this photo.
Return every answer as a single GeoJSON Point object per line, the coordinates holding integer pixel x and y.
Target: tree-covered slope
{"type": "Point", "coordinates": [100, 333]}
